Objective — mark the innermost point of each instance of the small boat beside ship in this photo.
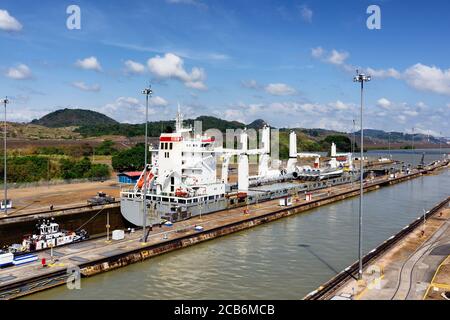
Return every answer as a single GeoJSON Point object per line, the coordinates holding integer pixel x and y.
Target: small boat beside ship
{"type": "Point", "coordinates": [49, 235]}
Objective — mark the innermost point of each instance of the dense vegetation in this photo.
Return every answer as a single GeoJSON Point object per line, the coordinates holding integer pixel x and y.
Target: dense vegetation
{"type": "Point", "coordinates": [343, 143]}
{"type": "Point", "coordinates": [304, 143]}
{"type": "Point", "coordinates": [130, 160]}
{"type": "Point", "coordinates": [73, 117]}
{"type": "Point", "coordinates": [75, 169]}
{"type": "Point", "coordinates": [154, 128]}
{"type": "Point", "coordinates": [36, 168]}
{"type": "Point", "coordinates": [82, 150]}
{"type": "Point", "coordinates": [106, 148]}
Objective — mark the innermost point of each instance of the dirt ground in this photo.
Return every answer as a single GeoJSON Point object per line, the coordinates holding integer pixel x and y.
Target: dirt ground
{"type": "Point", "coordinates": [39, 198]}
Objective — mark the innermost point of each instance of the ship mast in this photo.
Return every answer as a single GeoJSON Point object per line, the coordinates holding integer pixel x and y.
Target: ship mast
{"type": "Point", "coordinates": [179, 120]}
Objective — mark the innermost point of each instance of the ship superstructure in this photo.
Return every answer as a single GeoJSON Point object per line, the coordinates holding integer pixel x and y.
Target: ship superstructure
{"type": "Point", "coordinates": [182, 178]}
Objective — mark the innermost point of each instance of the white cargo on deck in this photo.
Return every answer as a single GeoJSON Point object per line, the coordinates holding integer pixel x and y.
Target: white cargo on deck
{"type": "Point", "coordinates": [118, 234]}
{"type": "Point", "coordinates": [286, 202]}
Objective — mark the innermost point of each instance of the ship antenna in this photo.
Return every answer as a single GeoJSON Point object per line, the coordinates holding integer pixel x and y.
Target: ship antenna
{"type": "Point", "coordinates": [179, 119]}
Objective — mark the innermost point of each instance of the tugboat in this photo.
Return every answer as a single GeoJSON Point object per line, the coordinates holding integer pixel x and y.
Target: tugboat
{"type": "Point", "coordinates": [49, 236]}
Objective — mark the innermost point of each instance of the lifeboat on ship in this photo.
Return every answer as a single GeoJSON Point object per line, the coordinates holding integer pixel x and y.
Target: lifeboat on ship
{"type": "Point", "coordinates": [180, 192]}
{"type": "Point", "coordinates": [150, 176]}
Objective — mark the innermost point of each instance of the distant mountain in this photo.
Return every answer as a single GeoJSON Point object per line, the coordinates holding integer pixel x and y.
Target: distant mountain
{"type": "Point", "coordinates": [155, 128]}
{"type": "Point", "coordinates": [209, 122]}
{"type": "Point", "coordinates": [94, 124]}
{"type": "Point", "coordinates": [380, 135]}
{"type": "Point", "coordinates": [257, 124]}
{"type": "Point", "coordinates": [73, 117]}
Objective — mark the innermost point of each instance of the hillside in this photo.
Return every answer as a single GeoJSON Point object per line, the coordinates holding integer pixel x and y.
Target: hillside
{"type": "Point", "coordinates": [377, 136]}
{"type": "Point", "coordinates": [257, 124]}
{"type": "Point", "coordinates": [73, 117]}
{"type": "Point", "coordinates": [84, 126]}
{"type": "Point", "coordinates": [27, 131]}
{"type": "Point", "coordinates": [154, 127]}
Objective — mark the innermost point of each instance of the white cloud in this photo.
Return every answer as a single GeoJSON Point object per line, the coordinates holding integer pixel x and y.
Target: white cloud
{"type": "Point", "coordinates": [171, 66]}
{"type": "Point", "coordinates": [306, 13]}
{"type": "Point", "coordinates": [411, 113]}
{"type": "Point", "coordinates": [8, 22]}
{"type": "Point", "coordinates": [419, 76]}
{"type": "Point", "coordinates": [426, 78]}
{"type": "Point", "coordinates": [84, 87]}
{"type": "Point", "coordinates": [250, 84]}
{"type": "Point", "coordinates": [337, 57]}
{"type": "Point", "coordinates": [389, 73]}
{"type": "Point", "coordinates": [157, 101]}
{"type": "Point", "coordinates": [126, 109]}
{"type": "Point", "coordinates": [317, 52]}
{"type": "Point", "coordinates": [20, 72]}
{"type": "Point", "coordinates": [132, 110]}
{"type": "Point", "coordinates": [384, 103]}
{"type": "Point", "coordinates": [232, 115]}
{"type": "Point", "coordinates": [279, 89]}
{"type": "Point", "coordinates": [336, 115]}
{"type": "Point", "coordinates": [401, 119]}
{"type": "Point", "coordinates": [199, 85]}
{"type": "Point", "coordinates": [334, 57]}
{"type": "Point", "coordinates": [134, 67]}
{"type": "Point", "coordinates": [339, 105]}
{"type": "Point", "coordinates": [90, 63]}
{"type": "Point", "coordinates": [422, 106]}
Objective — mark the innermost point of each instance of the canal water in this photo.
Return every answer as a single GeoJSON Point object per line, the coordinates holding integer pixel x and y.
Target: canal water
{"type": "Point", "coordinates": [411, 156]}
{"type": "Point", "coordinates": [284, 259]}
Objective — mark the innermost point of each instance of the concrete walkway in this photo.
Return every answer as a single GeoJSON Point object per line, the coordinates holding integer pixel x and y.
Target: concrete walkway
{"type": "Point", "coordinates": [405, 271]}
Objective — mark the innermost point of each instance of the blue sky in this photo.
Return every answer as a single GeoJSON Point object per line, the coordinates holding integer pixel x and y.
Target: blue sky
{"type": "Point", "coordinates": [288, 62]}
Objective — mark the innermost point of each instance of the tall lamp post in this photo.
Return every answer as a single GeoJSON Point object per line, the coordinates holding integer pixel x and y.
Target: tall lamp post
{"type": "Point", "coordinates": [361, 78]}
{"type": "Point", "coordinates": [412, 148]}
{"type": "Point", "coordinates": [148, 92]}
{"type": "Point", "coordinates": [5, 102]}
{"type": "Point", "coordinates": [390, 156]}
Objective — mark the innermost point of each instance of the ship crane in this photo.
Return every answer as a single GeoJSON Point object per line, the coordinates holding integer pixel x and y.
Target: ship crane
{"type": "Point", "coordinates": [243, 154]}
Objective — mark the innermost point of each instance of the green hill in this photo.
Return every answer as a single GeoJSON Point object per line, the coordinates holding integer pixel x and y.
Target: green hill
{"type": "Point", "coordinates": [155, 128]}
{"type": "Point", "coordinates": [73, 117]}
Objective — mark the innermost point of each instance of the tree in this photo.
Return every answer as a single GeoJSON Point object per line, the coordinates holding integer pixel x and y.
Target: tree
{"type": "Point", "coordinates": [343, 143]}
{"type": "Point", "coordinates": [98, 171]}
{"type": "Point", "coordinates": [106, 148]}
{"type": "Point", "coordinates": [129, 160]}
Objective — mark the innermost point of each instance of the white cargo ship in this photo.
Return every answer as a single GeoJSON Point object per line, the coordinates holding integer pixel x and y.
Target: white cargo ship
{"type": "Point", "coordinates": [182, 179]}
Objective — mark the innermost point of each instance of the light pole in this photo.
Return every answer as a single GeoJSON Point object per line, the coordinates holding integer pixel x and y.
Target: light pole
{"type": "Point", "coordinates": [361, 78]}
{"type": "Point", "coordinates": [5, 185]}
{"type": "Point", "coordinates": [147, 91]}
{"type": "Point", "coordinates": [353, 149]}
{"type": "Point", "coordinates": [390, 156]}
{"type": "Point", "coordinates": [412, 148]}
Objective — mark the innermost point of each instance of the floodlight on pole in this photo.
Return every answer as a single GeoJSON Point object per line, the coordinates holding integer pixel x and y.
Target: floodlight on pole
{"type": "Point", "coordinates": [5, 184]}
{"type": "Point", "coordinates": [361, 78]}
{"type": "Point", "coordinates": [147, 92]}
